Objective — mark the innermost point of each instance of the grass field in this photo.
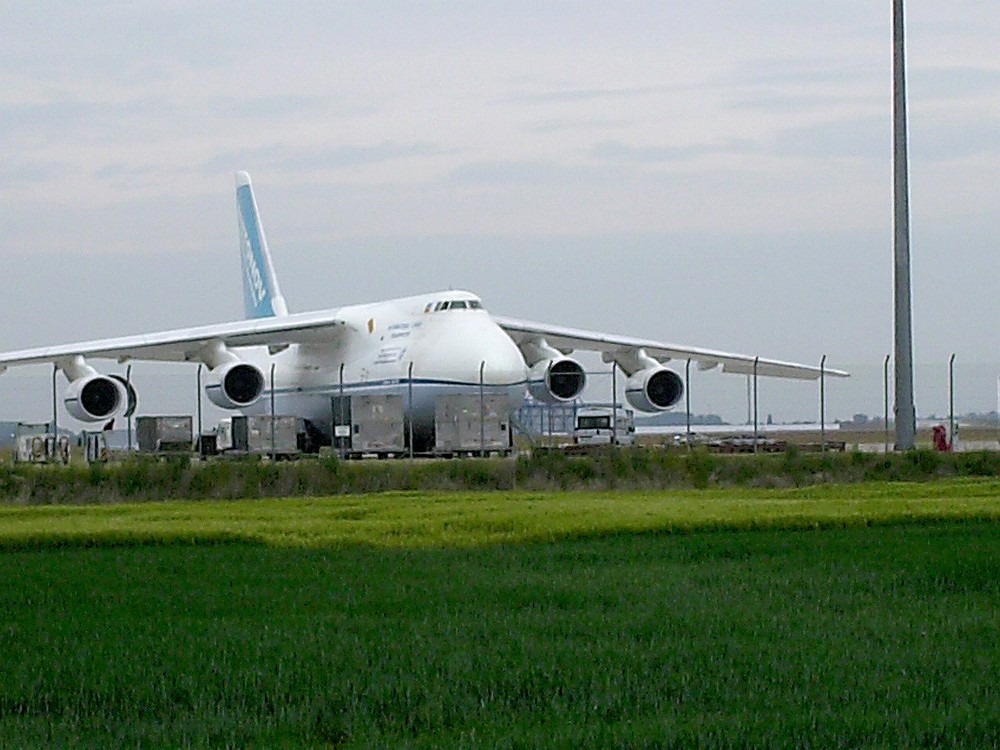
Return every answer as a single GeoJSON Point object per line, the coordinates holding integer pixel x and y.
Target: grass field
{"type": "Point", "coordinates": [508, 620]}
{"type": "Point", "coordinates": [448, 519]}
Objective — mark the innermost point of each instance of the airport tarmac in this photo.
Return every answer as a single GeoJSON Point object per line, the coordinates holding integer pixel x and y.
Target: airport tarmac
{"type": "Point", "coordinates": [971, 438]}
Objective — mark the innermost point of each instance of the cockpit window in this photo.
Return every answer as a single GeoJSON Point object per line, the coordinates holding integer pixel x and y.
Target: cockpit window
{"type": "Point", "coordinates": [456, 304]}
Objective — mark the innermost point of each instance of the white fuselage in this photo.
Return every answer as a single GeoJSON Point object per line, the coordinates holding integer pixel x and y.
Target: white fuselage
{"type": "Point", "coordinates": [402, 346]}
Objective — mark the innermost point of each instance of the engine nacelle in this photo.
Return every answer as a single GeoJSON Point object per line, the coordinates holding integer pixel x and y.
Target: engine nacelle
{"type": "Point", "coordinates": [654, 389]}
{"type": "Point", "coordinates": [556, 381]}
{"type": "Point", "coordinates": [94, 398]}
{"type": "Point", "coordinates": [234, 385]}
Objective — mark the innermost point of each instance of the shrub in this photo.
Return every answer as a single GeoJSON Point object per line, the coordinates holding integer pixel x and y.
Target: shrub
{"type": "Point", "coordinates": [978, 464]}
{"type": "Point", "coordinates": [922, 463]}
{"type": "Point", "coordinates": [149, 478]}
{"type": "Point", "coordinates": [700, 467]}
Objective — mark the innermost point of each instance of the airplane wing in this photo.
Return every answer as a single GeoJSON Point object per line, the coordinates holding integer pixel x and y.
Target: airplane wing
{"type": "Point", "coordinates": [570, 339]}
{"type": "Point", "coordinates": [184, 344]}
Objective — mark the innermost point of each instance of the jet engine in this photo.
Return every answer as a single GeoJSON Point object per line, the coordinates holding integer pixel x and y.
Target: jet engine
{"type": "Point", "coordinates": [654, 389]}
{"type": "Point", "coordinates": [94, 397]}
{"type": "Point", "coordinates": [233, 385]}
{"type": "Point", "coordinates": [555, 381]}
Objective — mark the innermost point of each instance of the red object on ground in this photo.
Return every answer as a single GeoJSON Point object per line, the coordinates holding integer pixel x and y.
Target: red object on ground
{"type": "Point", "coordinates": [941, 438]}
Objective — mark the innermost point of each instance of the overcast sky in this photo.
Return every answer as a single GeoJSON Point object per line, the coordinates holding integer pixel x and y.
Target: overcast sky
{"type": "Point", "coordinates": [713, 173]}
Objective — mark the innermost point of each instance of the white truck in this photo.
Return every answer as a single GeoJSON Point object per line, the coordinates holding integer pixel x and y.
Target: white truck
{"type": "Point", "coordinates": [604, 426]}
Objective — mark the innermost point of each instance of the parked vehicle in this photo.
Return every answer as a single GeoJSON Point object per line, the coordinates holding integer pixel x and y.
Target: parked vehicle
{"type": "Point", "coordinates": [604, 426]}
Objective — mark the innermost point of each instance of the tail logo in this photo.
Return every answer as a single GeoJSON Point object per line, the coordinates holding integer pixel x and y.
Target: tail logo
{"type": "Point", "coordinates": [255, 280]}
{"type": "Point", "coordinates": [261, 294]}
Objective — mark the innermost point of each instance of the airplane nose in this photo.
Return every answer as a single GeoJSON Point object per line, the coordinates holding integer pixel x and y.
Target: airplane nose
{"type": "Point", "coordinates": [502, 361]}
{"type": "Point", "coordinates": [475, 348]}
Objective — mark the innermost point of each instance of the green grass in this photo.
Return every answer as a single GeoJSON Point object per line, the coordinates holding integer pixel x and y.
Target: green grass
{"type": "Point", "coordinates": [508, 620]}
{"type": "Point", "coordinates": [477, 518]}
{"type": "Point", "coordinates": [839, 638]}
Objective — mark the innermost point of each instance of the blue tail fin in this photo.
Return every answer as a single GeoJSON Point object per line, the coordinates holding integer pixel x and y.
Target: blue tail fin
{"type": "Point", "coordinates": [261, 293]}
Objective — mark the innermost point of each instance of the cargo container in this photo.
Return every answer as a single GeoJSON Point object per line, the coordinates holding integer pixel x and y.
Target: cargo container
{"type": "Point", "coordinates": [208, 444]}
{"type": "Point", "coordinates": [252, 434]}
{"type": "Point", "coordinates": [470, 425]}
{"type": "Point", "coordinates": [42, 448]}
{"type": "Point", "coordinates": [377, 425]}
{"type": "Point", "coordinates": [95, 447]}
{"type": "Point", "coordinates": [165, 434]}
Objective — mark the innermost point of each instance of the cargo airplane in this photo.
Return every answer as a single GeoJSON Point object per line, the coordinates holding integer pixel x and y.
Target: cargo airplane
{"type": "Point", "coordinates": [419, 347]}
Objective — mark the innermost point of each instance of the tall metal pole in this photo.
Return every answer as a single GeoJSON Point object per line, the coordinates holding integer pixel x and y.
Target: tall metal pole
{"type": "Point", "coordinates": [906, 419]}
{"type": "Point", "coordinates": [822, 404]}
{"type": "Point", "coordinates": [756, 360]}
{"type": "Point", "coordinates": [951, 400]}
{"type": "Point", "coordinates": [409, 405]}
{"type": "Point", "coordinates": [687, 400]}
{"type": "Point", "coordinates": [885, 390]}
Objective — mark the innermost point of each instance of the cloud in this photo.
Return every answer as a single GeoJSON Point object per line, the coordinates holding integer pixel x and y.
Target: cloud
{"type": "Point", "coordinates": [861, 138]}
{"type": "Point", "coordinates": [527, 172]}
{"type": "Point", "coordinates": [59, 116]}
{"type": "Point", "coordinates": [798, 72]}
{"type": "Point", "coordinates": [585, 94]}
{"type": "Point", "coordinates": [621, 153]}
{"type": "Point", "coordinates": [946, 139]}
{"type": "Point", "coordinates": [952, 83]}
{"type": "Point", "coordinates": [933, 137]}
{"type": "Point", "coordinates": [284, 105]}
{"type": "Point", "coordinates": [20, 173]}
{"type": "Point", "coordinates": [311, 158]}
{"type": "Point", "coordinates": [787, 103]}
{"type": "Point", "coordinates": [567, 124]}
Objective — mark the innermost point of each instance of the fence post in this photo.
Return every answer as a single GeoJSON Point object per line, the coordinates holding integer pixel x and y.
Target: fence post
{"type": "Point", "coordinates": [274, 452]}
{"type": "Point", "coordinates": [198, 387]}
{"type": "Point", "coordinates": [885, 387]}
{"type": "Point", "coordinates": [409, 404]}
{"type": "Point", "coordinates": [128, 412]}
{"type": "Point", "coordinates": [687, 400]}
{"type": "Point", "coordinates": [55, 409]}
{"type": "Point", "coordinates": [482, 411]}
{"type": "Point", "coordinates": [340, 419]}
{"type": "Point", "coordinates": [951, 401]}
{"type": "Point", "coordinates": [822, 404]}
{"type": "Point", "coordinates": [614, 403]}
{"type": "Point", "coordinates": [756, 361]}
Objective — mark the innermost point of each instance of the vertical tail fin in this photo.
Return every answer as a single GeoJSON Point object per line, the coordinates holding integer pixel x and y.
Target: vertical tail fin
{"type": "Point", "coordinates": [261, 294]}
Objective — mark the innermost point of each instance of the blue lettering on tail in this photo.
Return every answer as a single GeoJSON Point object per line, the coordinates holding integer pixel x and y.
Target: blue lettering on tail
{"type": "Point", "coordinates": [257, 287]}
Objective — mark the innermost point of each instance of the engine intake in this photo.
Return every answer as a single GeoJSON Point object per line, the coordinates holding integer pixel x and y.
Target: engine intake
{"type": "Point", "coordinates": [654, 389]}
{"type": "Point", "coordinates": [234, 385]}
{"type": "Point", "coordinates": [94, 398]}
{"type": "Point", "coordinates": [556, 381]}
